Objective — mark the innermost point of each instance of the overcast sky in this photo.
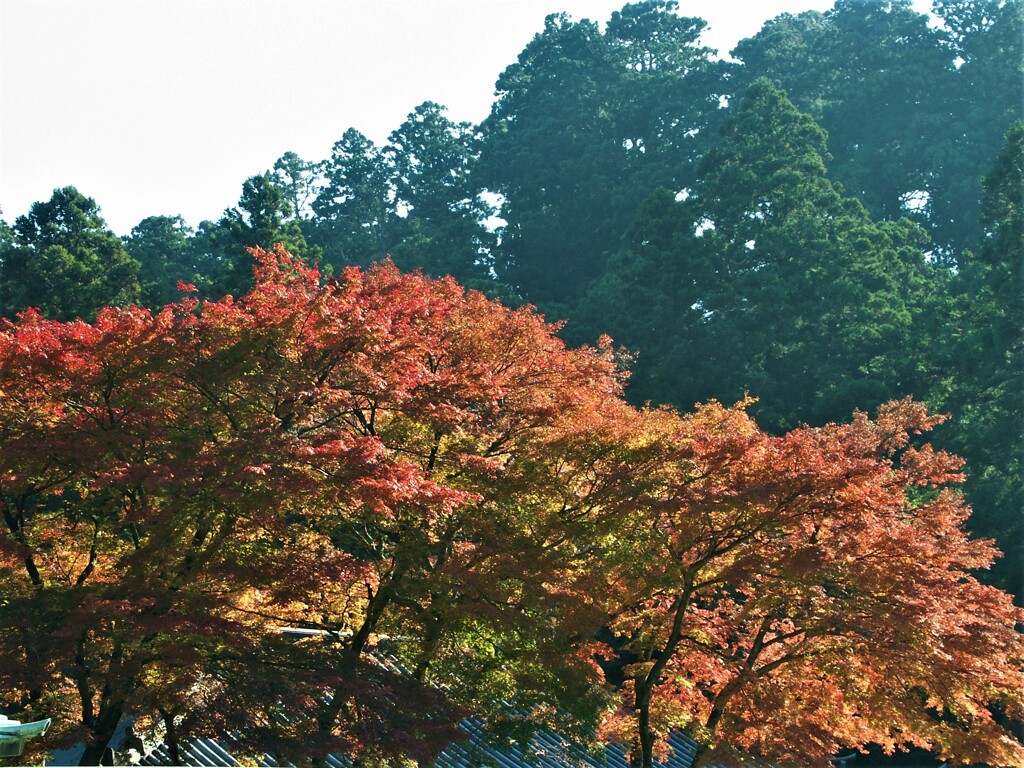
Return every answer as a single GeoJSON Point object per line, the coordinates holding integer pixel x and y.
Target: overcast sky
{"type": "Point", "coordinates": [160, 107]}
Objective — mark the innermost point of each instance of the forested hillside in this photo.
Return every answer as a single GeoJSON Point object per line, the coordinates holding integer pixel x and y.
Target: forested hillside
{"type": "Point", "coordinates": [828, 221]}
{"type": "Point", "coordinates": [811, 223]}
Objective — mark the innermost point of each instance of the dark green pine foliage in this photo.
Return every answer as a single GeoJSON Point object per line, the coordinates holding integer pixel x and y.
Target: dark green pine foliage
{"type": "Point", "coordinates": [585, 125]}
{"type": "Point", "coordinates": [669, 94]}
{"type": "Point", "coordinates": [549, 152]}
{"type": "Point", "coordinates": [263, 218]}
{"type": "Point", "coordinates": [766, 280]}
{"type": "Point", "coordinates": [415, 200]}
{"type": "Point", "coordinates": [354, 212]}
{"type": "Point", "coordinates": [162, 245]}
{"type": "Point", "coordinates": [986, 97]}
{"type": "Point", "coordinates": [442, 212]}
{"type": "Point", "coordinates": [6, 248]}
{"type": "Point", "coordinates": [908, 129]}
{"type": "Point", "coordinates": [646, 298]}
{"type": "Point", "coordinates": [985, 364]}
{"type": "Point", "coordinates": [298, 181]}
{"type": "Point", "coordinates": [64, 261]}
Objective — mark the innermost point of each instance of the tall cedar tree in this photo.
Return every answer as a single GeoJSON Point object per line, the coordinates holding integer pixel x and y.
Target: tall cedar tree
{"type": "Point", "coordinates": [355, 214]}
{"type": "Point", "coordinates": [298, 181]}
{"type": "Point", "coordinates": [765, 279]}
{"type": "Point", "coordinates": [584, 126]}
{"type": "Point", "coordinates": [432, 160]}
{"type": "Point", "coordinates": [162, 246]}
{"type": "Point", "coordinates": [262, 219]}
{"type": "Point", "coordinates": [984, 364]}
{"type": "Point", "coordinates": [912, 110]}
{"type": "Point", "coordinates": [415, 199]}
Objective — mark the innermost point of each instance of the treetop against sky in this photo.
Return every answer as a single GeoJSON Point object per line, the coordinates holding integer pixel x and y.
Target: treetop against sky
{"type": "Point", "coordinates": [175, 101]}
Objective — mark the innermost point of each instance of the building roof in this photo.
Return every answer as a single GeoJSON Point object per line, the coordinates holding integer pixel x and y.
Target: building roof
{"type": "Point", "coordinates": [545, 749]}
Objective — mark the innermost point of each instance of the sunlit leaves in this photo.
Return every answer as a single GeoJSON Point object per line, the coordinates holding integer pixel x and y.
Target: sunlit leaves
{"type": "Point", "coordinates": [810, 592]}
{"type": "Point", "coordinates": [465, 512]}
{"type": "Point", "coordinates": [336, 454]}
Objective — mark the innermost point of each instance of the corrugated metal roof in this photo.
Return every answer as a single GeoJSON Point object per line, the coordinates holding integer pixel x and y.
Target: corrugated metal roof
{"type": "Point", "coordinates": [545, 749]}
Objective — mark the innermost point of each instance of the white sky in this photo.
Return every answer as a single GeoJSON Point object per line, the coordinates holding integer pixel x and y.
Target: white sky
{"type": "Point", "coordinates": [162, 107]}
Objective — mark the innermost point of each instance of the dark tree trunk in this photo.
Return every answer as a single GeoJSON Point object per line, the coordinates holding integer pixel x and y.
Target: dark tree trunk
{"type": "Point", "coordinates": [97, 746]}
{"type": "Point", "coordinates": [101, 724]}
{"type": "Point", "coordinates": [171, 737]}
{"type": "Point", "coordinates": [350, 658]}
{"type": "Point", "coordinates": [645, 736]}
{"type": "Point", "coordinates": [93, 754]}
{"type": "Point", "coordinates": [645, 685]}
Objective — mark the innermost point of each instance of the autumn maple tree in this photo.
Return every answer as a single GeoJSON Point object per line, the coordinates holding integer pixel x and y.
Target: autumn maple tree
{"type": "Point", "coordinates": [328, 454]}
{"type": "Point", "coordinates": [463, 511]}
{"type": "Point", "coordinates": [789, 597]}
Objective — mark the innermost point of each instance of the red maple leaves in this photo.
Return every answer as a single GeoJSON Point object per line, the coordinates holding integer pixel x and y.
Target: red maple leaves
{"type": "Point", "coordinates": [813, 594]}
{"type": "Point", "coordinates": [417, 470]}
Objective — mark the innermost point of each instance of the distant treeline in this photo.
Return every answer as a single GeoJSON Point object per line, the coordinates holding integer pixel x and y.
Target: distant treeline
{"type": "Point", "coordinates": [831, 221]}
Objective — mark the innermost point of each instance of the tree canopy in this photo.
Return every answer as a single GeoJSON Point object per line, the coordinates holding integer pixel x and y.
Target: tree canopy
{"type": "Point", "coordinates": [766, 280]}
{"type": "Point", "coordinates": [415, 199]}
{"type": "Point", "coordinates": [583, 125]}
{"type": "Point", "coordinates": [416, 470]}
{"type": "Point", "coordinates": [64, 261]}
{"type": "Point", "coordinates": [984, 360]}
{"type": "Point", "coordinates": [912, 110]}
{"type": "Point", "coordinates": [470, 506]}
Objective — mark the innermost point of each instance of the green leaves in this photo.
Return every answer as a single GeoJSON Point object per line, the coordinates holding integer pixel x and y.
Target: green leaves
{"type": "Point", "coordinates": [912, 110]}
{"type": "Point", "coordinates": [585, 126]}
{"type": "Point", "coordinates": [263, 219]}
{"type": "Point", "coordinates": [432, 161]}
{"type": "Point", "coordinates": [984, 345]}
{"type": "Point", "coordinates": [65, 262]}
{"type": "Point", "coordinates": [766, 280]}
{"type": "Point", "coordinates": [415, 199]}
{"type": "Point", "coordinates": [162, 246]}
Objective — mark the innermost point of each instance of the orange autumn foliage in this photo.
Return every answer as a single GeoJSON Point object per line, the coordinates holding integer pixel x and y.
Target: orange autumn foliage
{"type": "Point", "coordinates": [415, 470]}
{"type": "Point", "coordinates": [810, 593]}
